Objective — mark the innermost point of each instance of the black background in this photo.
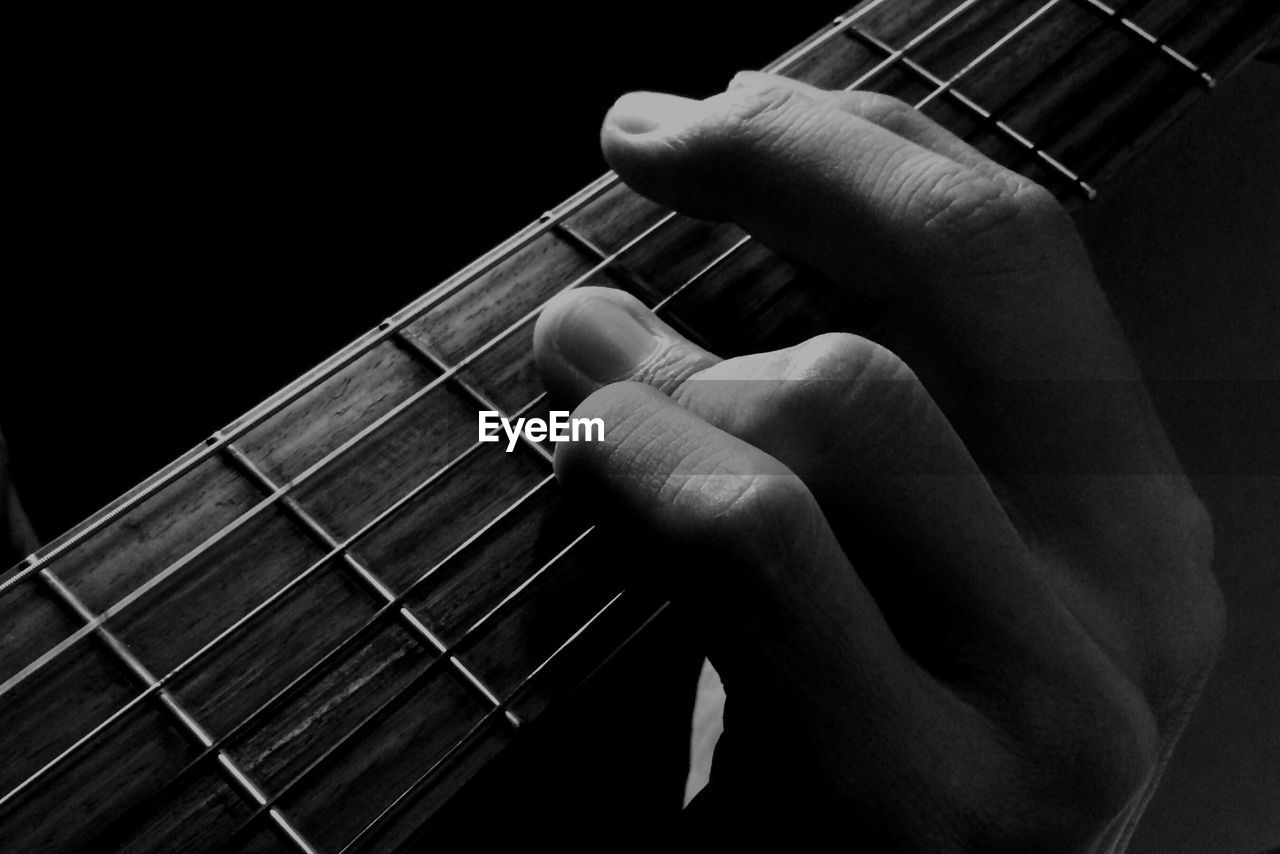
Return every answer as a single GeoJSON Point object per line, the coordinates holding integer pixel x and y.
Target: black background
{"type": "Point", "coordinates": [208, 202]}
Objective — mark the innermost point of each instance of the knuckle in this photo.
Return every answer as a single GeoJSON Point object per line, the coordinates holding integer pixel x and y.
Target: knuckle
{"type": "Point", "coordinates": [1058, 798]}
{"type": "Point", "coordinates": [1013, 214]}
{"type": "Point", "coordinates": [841, 357]}
{"type": "Point", "coordinates": [952, 201]}
{"type": "Point", "coordinates": [1104, 756]}
{"type": "Point", "coordinates": [884, 110]}
{"type": "Point", "coordinates": [753, 530]}
{"type": "Point", "coordinates": [1040, 211]}
{"type": "Point", "coordinates": [869, 379]}
{"type": "Point", "coordinates": [762, 514]}
{"type": "Point", "coordinates": [840, 389]}
{"type": "Point", "coordinates": [860, 374]}
{"type": "Point", "coordinates": [1117, 755]}
{"type": "Point", "coordinates": [1187, 624]}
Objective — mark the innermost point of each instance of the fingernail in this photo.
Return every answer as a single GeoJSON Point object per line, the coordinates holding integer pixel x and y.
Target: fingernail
{"type": "Point", "coordinates": [604, 340]}
{"type": "Point", "coordinates": [645, 112]}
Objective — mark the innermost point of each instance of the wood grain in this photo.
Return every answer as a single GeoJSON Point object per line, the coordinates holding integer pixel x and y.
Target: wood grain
{"type": "Point", "coordinates": [357, 685]}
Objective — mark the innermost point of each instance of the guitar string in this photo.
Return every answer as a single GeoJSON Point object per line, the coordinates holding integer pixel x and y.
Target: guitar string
{"type": "Point", "coordinates": [227, 634]}
{"type": "Point", "coordinates": [1119, 21]}
{"type": "Point", "coordinates": [430, 772]}
{"type": "Point", "coordinates": [457, 745]}
{"type": "Point", "coordinates": [533, 402]}
{"type": "Point", "coordinates": [668, 299]}
{"type": "Point", "coordinates": [477, 728]}
{"type": "Point", "coordinates": [470, 735]}
{"type": "Point", "coordinates": [249, 826]}
{"type": "Point", "coordinates": [1159, 45]}
{"type": "Point", "coordinates": [1050, 72]}
{"type": "Point", "coordinates": [289, 486]}
{"type": "Point", "coordinates": [334, 553]}
{"type": "Point", "coordinates": [395, 699]}
{"type": "Point", "coordinates": [383, 332]}
{"type": "Point", "coordinates": [991, 50]}
{"type": "Point", "coordinates": [737, 246]}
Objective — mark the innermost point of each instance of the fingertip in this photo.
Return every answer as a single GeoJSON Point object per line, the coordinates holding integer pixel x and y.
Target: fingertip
{"type": "Point", "coordinates": [646, 114]}
{"type": "Point", "coordinates": [591, 336]}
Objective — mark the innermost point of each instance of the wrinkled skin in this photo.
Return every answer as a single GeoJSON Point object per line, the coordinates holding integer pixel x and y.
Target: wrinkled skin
{"type": "Point", "coordinates": [953, 577]}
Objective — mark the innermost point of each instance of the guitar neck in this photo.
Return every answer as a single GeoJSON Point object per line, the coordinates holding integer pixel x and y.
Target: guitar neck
{"type": "Point", "coordinates": [260, 630]}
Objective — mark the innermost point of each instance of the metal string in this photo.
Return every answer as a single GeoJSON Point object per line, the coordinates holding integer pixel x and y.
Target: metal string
{"type": "Point", "coordinates": [991, 50]}
{"type": "Point", "coordinates": [221, 440]}
{"type": "Point", "coordinates": [385, 330]}
{"type": "Point", "coordinates": [341, 548]}
{"type": "Point", "coordinates": [736, 247]}
{"type": "Point", "coordinates": [422, 487]}
{"type": "Point", "coordinates": [942, 87]}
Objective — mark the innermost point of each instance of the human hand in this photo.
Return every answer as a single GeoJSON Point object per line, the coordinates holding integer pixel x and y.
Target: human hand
{"type": "Point", "coordinates": [953, 578]}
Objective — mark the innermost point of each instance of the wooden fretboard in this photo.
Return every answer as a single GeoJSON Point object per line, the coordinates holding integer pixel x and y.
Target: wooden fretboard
{"type": "Point", "coordinates": [342, 599]}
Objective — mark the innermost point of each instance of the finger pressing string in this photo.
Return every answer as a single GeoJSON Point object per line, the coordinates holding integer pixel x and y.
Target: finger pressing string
{"type": "Point", "coordinates": [589, 337]}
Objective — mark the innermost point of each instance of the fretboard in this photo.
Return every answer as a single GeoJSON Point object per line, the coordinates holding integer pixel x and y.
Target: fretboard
{"type": "Point", "coordinates": [342, 598]}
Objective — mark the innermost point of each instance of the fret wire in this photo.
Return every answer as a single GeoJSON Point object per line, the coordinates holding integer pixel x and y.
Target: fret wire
{"type": "Point", "coordinates": [895, 55]}
{"type": "Point", "coordinates": [219, 441]}
{"type": "Point", "coordinates": [397, 321]}
{"type": "Point", "coordinates": [993, 117]}
{"type": "Point", "coordinates": [990, 118]}
{"type": "Point", "coordinates": [1208, 82]}
{"type": "Point", "coordinates": [359, 535]}
{"type": "Point", "coordinates": [188, 724]}
{"type": "Point", "coordinates": [1128, 26]}
{"type": "Point", "coordinates": [390, 704]}
{"type": "Point", "coordinates": [991, 50]}
{"type": "Point", "coordinates": [299, 681]}
{"type": "Point", "coordinates": [340, 549]}
{"type": "Point", "coordinates": [405, 691]}
{"type": "Point", "coordinates": [635, 283]}
{"type": "Point", "coordinates": [1176, 28]}
{"type": "Point", "coordinates": [262, 607]}
{"type": "Point", "coordinates": [471, 734]}
{"type": "Point", "coordinates": [311, 379]}
{"type": "Point", "coordinates": [369, 580]}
